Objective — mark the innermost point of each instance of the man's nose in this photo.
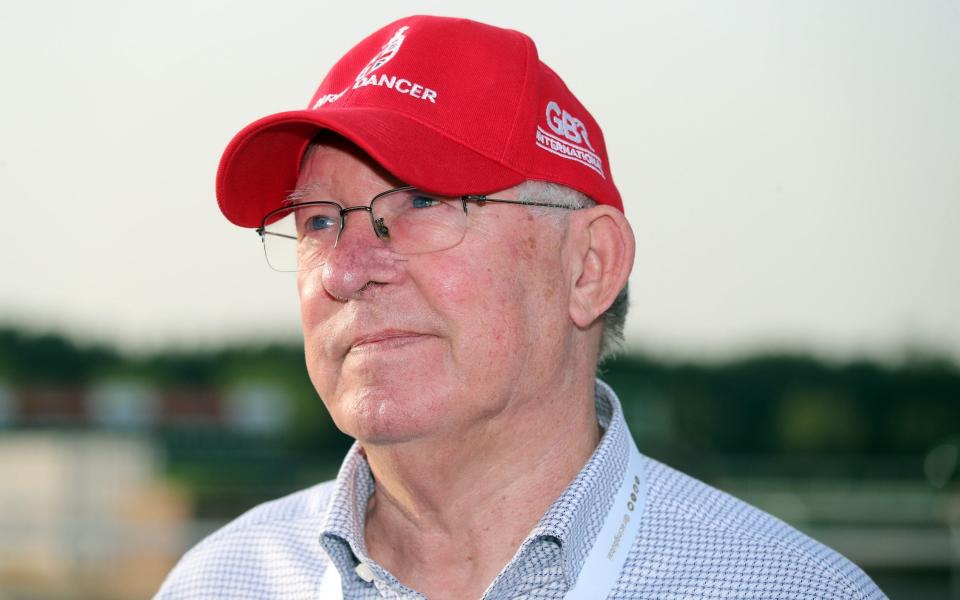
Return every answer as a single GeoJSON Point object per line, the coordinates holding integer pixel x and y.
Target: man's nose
{"type": "Point", "coordinates": [358, 259]}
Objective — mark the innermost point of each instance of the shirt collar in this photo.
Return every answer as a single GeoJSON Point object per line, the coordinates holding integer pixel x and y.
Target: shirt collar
{"type": "Point", "coordinates": [342, 532]}
{"type": "Point", "coordinates": [573, 520]}
{"type": "Point", "coordinates": [575, 517]}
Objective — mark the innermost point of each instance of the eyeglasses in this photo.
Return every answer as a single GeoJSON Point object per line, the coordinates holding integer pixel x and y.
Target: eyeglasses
{"type": "Point", "coordinates": [299, 237]}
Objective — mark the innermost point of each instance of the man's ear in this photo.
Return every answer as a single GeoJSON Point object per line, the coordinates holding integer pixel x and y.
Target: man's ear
{"type": "Point", "coordinates": [604, 246]}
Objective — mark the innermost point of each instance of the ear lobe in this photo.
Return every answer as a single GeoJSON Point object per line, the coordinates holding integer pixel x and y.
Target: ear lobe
{"type": "Point", "coordinates": [605, 248]}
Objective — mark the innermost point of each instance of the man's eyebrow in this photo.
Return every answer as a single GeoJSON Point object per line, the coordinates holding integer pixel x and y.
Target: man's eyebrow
{"type": "Point", "coordinates": [301, 194]}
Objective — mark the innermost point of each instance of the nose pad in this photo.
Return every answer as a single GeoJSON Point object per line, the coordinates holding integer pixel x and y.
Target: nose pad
{"type": "Point", "coordinates": [382, 231]}
{"type": "Point", "coordinates": [378, 232]}
{"type": "Point", "coordinates": [358, 259]}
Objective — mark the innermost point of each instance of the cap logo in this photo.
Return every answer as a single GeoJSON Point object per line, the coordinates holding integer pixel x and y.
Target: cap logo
{"type": "Point", "coordinates": [398, 84]}
{"type": "Point", "coordinates": [387, 52]}
{"type": "Point", "coordinates": [565, 124]}
{"type": "Point", "coordinates": [571, 140]}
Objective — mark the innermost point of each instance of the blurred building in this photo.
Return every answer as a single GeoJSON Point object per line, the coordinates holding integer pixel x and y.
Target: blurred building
{"type": "Point", "coordinates": [129, 405]}
{"type": "Point", "coordinates": [86, 514]}
{"type": "Point", "coordinates": [88, 508]}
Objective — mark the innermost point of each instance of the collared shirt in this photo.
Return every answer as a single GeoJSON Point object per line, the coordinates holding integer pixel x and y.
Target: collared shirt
{"type": "Point", "coordinates": [694, 542]}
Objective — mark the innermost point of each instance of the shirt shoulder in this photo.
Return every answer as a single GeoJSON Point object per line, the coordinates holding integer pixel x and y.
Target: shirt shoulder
{"type": "Point", "coordinates": [697, 541]}
{"type": "Point", "coordinates": [272, 550]}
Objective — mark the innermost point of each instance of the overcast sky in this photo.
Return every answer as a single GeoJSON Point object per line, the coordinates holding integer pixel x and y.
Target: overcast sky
{"type": "Point", "coordinates": [792, 170]}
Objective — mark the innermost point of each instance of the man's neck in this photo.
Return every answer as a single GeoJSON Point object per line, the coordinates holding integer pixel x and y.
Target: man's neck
{"type": "Point", "coordinates": [450, 512]}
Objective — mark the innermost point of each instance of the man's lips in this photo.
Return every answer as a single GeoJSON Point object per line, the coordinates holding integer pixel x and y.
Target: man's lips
{"type": "Point", "coordinates": [385, 340]}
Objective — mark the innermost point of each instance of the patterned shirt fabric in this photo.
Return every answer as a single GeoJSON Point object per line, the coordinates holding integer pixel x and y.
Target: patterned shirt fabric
{"type": "Point", "coordinates": [694, 542]}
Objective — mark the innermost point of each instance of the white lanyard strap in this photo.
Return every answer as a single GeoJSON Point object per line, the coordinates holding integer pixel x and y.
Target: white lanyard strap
{"type": "Point", "coordinates": [603, 564]}
{"type": "Point", "coordinates": [331, 588]}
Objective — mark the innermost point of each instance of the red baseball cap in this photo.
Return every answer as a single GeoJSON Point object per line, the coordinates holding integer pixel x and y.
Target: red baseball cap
{"type": "Point", "coordinates": [450, 106]}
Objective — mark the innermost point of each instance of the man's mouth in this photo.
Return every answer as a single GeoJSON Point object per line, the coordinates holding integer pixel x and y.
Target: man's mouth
{"type": "Point", "coordinates": [386, 340]}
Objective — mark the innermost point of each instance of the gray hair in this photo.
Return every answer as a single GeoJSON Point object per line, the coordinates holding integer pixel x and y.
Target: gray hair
{"type": "Point", "coordinates": [615, 316]}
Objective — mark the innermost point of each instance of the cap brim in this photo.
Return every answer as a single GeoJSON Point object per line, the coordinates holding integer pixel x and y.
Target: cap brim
{"type": "Point", "coordinates": [261, 164]}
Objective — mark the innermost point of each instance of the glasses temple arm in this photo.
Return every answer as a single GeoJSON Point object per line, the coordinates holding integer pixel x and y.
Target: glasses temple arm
{"type": "Point", "coordinates": [263, 232]}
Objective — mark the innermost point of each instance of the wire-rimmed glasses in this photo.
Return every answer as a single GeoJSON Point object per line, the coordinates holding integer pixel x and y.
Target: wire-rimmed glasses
{"type": "Point", "coordinates": [300, 236]}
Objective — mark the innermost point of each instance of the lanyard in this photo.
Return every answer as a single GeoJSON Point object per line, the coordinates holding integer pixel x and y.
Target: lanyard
{"type": "Point", "coordinates": [603, 564]}
{"type": "Point", "coordinates": [606, 558]}
{"type": "Point", "coordinates": [331, 588]}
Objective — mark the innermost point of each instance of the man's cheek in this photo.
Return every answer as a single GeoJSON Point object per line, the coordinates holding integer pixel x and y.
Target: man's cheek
{"type": "Point", "coordinates": [312, 294]}
{"type": "Point", "coordinates": [308, 285]}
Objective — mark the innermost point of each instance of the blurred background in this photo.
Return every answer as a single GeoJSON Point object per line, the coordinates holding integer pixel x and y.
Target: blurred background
{"type": "Point", "coordinates": [792, 171]}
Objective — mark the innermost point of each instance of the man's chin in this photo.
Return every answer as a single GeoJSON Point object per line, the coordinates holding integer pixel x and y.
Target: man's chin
{"type": "Point", "coordinates": [376, 416]}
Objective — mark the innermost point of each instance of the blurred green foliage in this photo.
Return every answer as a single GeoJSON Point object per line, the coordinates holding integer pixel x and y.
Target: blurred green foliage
{"type": "Point", "coordinates": [781, 429]}
{"type": "Point", "coordinates": [784, 404]}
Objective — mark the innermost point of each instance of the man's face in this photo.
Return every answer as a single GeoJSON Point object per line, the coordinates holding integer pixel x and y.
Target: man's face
{"type": "Point", "coordinates": [406, 346]}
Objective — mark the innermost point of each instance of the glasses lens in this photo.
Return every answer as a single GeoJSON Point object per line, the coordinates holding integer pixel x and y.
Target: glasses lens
{"type": "Point", "coordinates": [414, 222]}
{"type": "Point", "coordinates": [299, 237]}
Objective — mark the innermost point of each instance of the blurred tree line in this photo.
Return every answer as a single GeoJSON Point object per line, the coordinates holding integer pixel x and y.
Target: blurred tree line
{"type": "Point", "coordinates": [769, 405]}
{"type": "Point", "coordinates": [46, 360]}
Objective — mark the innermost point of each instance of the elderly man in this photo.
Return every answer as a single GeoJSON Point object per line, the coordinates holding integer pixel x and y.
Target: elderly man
{"type": "Point", "coordinates": [462, 260]}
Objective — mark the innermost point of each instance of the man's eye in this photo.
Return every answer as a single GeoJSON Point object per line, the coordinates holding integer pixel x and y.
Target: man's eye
{"type": "Point", "coordinates": [423, 201]}
{"type": "Point", "coordinates": [319, 223]}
